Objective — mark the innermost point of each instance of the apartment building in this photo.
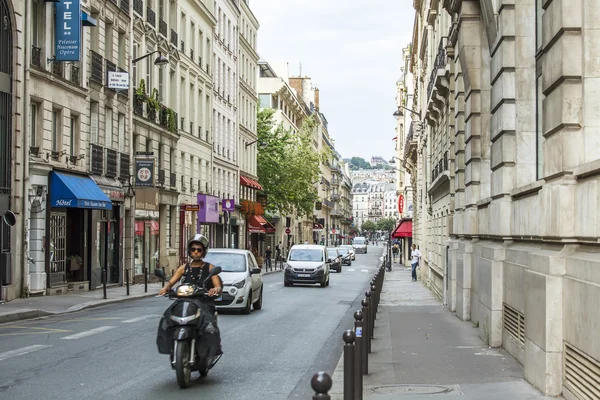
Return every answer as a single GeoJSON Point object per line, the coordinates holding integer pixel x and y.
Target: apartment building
{"type": "Point", "coordinates": [505, 173]}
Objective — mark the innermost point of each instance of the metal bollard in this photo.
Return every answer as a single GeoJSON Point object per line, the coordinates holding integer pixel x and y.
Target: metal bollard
{"type": "Point", "coordinates": [321, 383]}
{"type": "Point", "coordinates": [145, 279]}
{"type": "Point", "coordinates": [366, 334]}
{"type": "Point", "coordinates": [104, 276]}
{"type": "Point", "coordinates": [350, 362]}
{"type": "Point", "coordinates": [375, 303]}
{"type": "Point", "coordinates": [361, 366]}
{"type": "Point", "coordinates": [127, 279]}
{"type": "Point", "coordinates": [163, 278]}
{"type": "Point", "coordinates": [369, 321]}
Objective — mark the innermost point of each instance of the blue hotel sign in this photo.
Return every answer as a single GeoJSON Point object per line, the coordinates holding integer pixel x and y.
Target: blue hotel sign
{"type": "Point", "coordinates": [68, 30]}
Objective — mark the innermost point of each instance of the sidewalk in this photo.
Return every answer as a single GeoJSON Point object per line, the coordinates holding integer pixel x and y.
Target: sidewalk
{"type": "Point", "coordinates": [35, 307]}
{"type": "Point", "coordinates": [421, 349]}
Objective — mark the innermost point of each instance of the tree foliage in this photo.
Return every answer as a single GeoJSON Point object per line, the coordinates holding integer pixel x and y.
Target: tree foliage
{"type": "Point", "coordinates": [368, 226]}
{"type": "Point", "coordinates": [288, 165]}
{"type": "Point", "coordinates": [358, 163]}
{"type": "Point", "coordinates": [386, 224]}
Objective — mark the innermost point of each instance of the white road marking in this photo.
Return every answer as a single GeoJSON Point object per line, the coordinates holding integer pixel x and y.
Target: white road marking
{"type": "Point", "coordinates": [89, 333]}
{"type": "Point", "coordinates": [351, 269]}
{"type": "Point", "coordinates": [364, 270]}
{"type": "Point", "coordinates": [24, 350]}
{"type": "Point", "coordinates": [138, 319]}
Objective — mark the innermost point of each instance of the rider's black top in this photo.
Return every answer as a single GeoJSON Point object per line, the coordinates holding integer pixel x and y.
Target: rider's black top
{"type": "Point", "coordinates": [195, 276]}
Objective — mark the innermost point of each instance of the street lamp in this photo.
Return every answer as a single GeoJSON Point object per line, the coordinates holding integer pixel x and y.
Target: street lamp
{"type": "Point", "coordinates": [262, 144]}
{"type": "Point", "coordinates": [392, 161]}
{"type": "Point", "coordinates": [399, 114]}
{"type": "Point", "coordinates": [161, 61]}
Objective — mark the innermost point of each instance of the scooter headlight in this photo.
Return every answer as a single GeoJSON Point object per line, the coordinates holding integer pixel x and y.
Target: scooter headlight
{"type": "Point", "coordinates": [185, 290]}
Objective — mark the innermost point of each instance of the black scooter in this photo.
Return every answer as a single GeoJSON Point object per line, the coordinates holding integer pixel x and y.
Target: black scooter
{"type": "Point", "coordinates": [187, 331]}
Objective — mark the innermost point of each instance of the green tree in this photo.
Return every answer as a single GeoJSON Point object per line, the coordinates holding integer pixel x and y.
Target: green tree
{"type": "Point", "coordinates": [288, 165]}
{"type": "Point", "coordinates": [386, 224]}
{"type": "Point", "coordinates": [368, 226]}
{"type": "Point", "coordinates": [358, 163]}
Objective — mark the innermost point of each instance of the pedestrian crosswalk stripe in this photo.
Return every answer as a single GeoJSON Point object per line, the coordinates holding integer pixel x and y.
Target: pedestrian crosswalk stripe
{"type": "Point", "coordinates": [138, 319]}
{"type": "Point", "coordinates": [364, 270]}
{"type": "Point", "coordinates": [89, 333]}
{"type": "Point", "coordinates": [22, 351]}
{"type": "Point", "coordinates": [351, 269]}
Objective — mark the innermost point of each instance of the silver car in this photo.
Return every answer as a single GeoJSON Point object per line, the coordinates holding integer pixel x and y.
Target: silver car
{"type": "Point", "coordinates": [242, 281]}
{"type": "Point", "coordinates": [350, 249]}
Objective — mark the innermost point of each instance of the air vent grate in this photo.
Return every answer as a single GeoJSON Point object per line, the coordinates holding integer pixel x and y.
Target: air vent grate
{"type": "Point", "coordinates": [514, 324]}
{"type": "Point", "coordinates": [582, 374]}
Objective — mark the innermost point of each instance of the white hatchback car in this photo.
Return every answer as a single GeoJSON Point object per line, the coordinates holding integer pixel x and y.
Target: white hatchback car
{"type": "Point", "coordinates": [242, 282]}
{"type": "Point", "coordinates": [350, 249]}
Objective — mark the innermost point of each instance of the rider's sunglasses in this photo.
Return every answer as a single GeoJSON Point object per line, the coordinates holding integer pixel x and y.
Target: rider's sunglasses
{"type": "Point", "coordinates": [198, 249]}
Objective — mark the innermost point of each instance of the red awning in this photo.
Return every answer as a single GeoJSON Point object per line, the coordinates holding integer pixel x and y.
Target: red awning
{"type": "Point", "coordinates": [139, 227]}
{"type": "Point", "coordinates": [249, 182]}
{"type": "Point", "coordinates": [254, 225]}
{"type": "Point", "coordinates": [317, 226]}
{"type": "Point", "coordinates": [404, 229]}
{"type": "Point", "coordinates": [266, 224]}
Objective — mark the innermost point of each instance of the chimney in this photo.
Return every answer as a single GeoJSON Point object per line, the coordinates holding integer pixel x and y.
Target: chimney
{"type": "Point", "coordinates": [298, 85]}
{"type": "Point", "coordinates": [317, 99]}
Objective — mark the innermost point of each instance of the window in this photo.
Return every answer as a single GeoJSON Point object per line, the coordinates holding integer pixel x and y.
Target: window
{"type": "Point", "coordinates": [121, 133]}
{"type": "Point", "coordinates": [36, 27]}
{"type": "Point", "coordinates": [108, 41]}
{"type": "Point", "coordinates": [161, 85]}
{"type": "Point", "coordinates": [149, 68]}
{"type": "Point", "coordinates": [134, 65]}
{"type": "Point", "coordinates": [122, 49]}
{"type": "Point", "coordinates": [55, 130]}
{"type": "Point", "coordinates": [94, 120]}
{"type": "Point", "coordinates": [539, 98]}
{"type": "Point", "coordinates": [33, 127]}
{"type": "Point", "coordinates": [109, 128]}
{"type": "Point", "coordinates": [73, 135]}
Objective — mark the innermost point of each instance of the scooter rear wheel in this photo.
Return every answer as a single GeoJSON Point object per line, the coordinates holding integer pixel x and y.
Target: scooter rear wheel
{"type": "Point", "coordinates": [183, 369]}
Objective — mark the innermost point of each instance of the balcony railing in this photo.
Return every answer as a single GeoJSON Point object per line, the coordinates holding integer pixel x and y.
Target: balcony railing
{"type": "Point", "coordinates": [173, 180]}
{"type": "Point", "coordinates": [111, 163]}
{"type": "Point", "coordinates": [138, 106]}
{"type": "Point", "coordinates": [174, 38]}
{"type": "Point", "coordinates": [97, 61]}
{"type": "Point", "coordinates": [115, 2]}
{"type": "Point", "coordinates": [110, 67]}
{"type": "Point", "coordinates": [97, 159]}
{"type": "Point", "coordinates": [151, 17]}
{"type": "Point", "coordinates": [162, 27]}
{"type": "Point", "coordinates": [161, 177]}
{"type": "Point", "coordinates": [335, 197]}
{"type": "Point", "coordinates": [440, 63]}
{"type": "Point", "coordinates": [124, 164]}
{"type": "Point", "coordinates": [124, 6]}
{"type": "Point", "coordinates": [76, 75]}
{"type": "Point", "coordinates": [138, 7]}
{"type": "Point", "coordinates": [58, 68]}
{"type": "Point", "coordinates": [439, 167]}
{"type": "Point", "coordinates": [36, 56]}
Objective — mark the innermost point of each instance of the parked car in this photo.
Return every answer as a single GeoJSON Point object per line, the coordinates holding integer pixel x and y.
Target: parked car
{"type": "Point", "coordinates": [242, 281]}
{"type": "Point", "coordinates": [350, 249]}
{"type": "Point", "coordinates": [306, 263]}
{"type": "Point", "coordinates": [360, 244]}
{"type": "Point", "coordinates": [346, 256]}
{"type": "Point", "coordinates": [335, 258]}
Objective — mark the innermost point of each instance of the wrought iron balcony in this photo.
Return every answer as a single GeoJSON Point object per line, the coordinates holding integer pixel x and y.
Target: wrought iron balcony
{"type": "Point", "coordinates": [151, 17]}
{"type": "Point", "coordinates": [440, 63]}
{"type": "Point", "coordinates": [36, 56]}
{"type": "Point", "coordinates": [138, 106]}
{"type": "Point", "coordinates": [439, 167]}
{"type": "Point", "coordinates": [97, 61]}
{"type": "Point", "coordinates": [110, 67]}
{"type": "Point", "coordinates": [173, 180]}
{"type": "Point", "coordinates": [58, 68]}
{"type": "Point", "coordinates": [161, 177]}
{"type": "Point", "coordinates": [138, 7]}
{"type": "Point", "coordinates": [111, 163]}
{"type": "Point", "coordinates": [174, 38]}
{"type": "Point", "coordinates": [162, 27]}
{"type": "Point", "coordinates": [124, 164]}
{"type": "Point", "coordinates": [335, 197]}
{"type": "Point", "coordinates": [76, 75]}
{"type": "Point", "coordinates": [124, 6]}
{"type": "Point", "coordinates": [328, 203]}
{"type": "Point", "coordinates": [97, 159]}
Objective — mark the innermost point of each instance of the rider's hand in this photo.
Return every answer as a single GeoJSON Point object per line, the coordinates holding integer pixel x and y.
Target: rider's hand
{"type": "Point", "coordinates": [214, 292]}
{"type": "Point", "coordinates": [163, 291]}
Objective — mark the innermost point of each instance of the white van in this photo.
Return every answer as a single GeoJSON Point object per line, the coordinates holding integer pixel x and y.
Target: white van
{"type": "Point", "coordinates": [307, 263]}
{"type": "Point", "coordinates": [360, 244]}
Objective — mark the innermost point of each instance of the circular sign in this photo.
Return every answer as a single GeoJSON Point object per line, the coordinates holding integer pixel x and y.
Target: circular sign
{"type": "Point", "coordinates": [144, 174]}
{"type": "Point", "coordinates": [333, 231]}
{"type": "Point", "coordinates": [288, 231]}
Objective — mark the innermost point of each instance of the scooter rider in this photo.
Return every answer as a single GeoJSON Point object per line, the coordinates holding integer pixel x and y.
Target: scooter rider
{"type": "Point", "coordinates": [196, 272]}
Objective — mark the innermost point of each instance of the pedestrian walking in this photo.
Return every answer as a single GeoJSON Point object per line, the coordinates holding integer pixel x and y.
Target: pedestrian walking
{"type": "Point", "coordinates": [415, 256]}
{"type": "Point", "coordinates": [268, 254]}
{"type": "Point", "coordinates": [278, 255]}
{"type": "Point", "coordinates": [395, 251]}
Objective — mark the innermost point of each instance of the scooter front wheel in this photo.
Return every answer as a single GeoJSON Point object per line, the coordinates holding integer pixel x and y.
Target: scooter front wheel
{"type": "Point", "coordinates": [183, 369]}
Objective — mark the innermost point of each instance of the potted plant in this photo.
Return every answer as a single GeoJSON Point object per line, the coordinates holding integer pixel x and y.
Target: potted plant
{"type": "Point", "coordinates": [75, 262]}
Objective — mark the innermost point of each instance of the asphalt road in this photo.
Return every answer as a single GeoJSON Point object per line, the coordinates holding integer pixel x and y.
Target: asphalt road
{"type": "Point", "coordinates": [110, 352]}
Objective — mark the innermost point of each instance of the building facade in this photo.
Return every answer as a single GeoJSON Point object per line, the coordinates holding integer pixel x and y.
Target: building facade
{"type": "Point", "coordinates": [505, 176]}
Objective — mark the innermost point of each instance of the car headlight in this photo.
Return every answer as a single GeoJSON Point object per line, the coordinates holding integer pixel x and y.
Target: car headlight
{"type": "Point", "coordinates": [287, 266]}
{"type": "Point", "coordinates": [240, 284]}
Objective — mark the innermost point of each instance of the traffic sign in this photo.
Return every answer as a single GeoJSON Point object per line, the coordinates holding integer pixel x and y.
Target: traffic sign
{"type": "Point", "coordinates": [288, 231]}
{"type": "Point", "coordinates": [333, 231]}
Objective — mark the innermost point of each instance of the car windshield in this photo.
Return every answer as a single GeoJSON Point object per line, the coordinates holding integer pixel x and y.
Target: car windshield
{"type": "Point", "coordinates": [229, 262]}
{"type": "Point", "coordinates": [359, 241]}
{"type": "Point", "coordinates": [306, 255]}
{"type": "Point", "coordinates": [346, 246]}
{"type": "Point", "coordinates": [343, 251]}
{"type": "Point", "coordinates": [331, 254]}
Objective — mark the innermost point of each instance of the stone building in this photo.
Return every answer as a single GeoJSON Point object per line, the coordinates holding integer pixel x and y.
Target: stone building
{"type": "Point", "coordinates": [506, 172]}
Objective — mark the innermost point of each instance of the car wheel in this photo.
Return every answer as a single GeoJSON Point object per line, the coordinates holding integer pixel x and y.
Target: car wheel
{"type": "Point", "coordinates": [324, 283]}
{"type": "Point", "coordinates": [328, 279]}
{"type": "Point", "coordinates": [246, 310]}
{"type": "Point", "coordinates": [258, 303]}
{"type": "Point", "coordinates": [287, 284]}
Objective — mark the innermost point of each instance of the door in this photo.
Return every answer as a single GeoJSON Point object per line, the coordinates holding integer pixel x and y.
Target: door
{"type": "Point", "coordinates": [57, 247]}
{"type": "Point", "coordinates": [6, 132]}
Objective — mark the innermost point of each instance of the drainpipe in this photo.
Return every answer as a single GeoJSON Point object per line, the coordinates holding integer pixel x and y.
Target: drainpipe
{"type": "Point", "coordinates": [26, 143]}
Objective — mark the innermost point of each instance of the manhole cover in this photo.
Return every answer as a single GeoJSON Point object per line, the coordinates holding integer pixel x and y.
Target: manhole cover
{"type": "Point", "coordinates": [411, 389]}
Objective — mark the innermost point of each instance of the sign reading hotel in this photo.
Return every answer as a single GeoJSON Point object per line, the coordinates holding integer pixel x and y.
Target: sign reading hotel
{"type": "Point", "coordinates": [68, 30]}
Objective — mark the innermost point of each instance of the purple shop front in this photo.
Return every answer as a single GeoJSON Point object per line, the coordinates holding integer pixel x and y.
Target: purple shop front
{"type": "Point", "coordinates": [208, 212]}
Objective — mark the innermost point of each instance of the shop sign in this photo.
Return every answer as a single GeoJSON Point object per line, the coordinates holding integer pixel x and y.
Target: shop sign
{"type": "Point", "coordinates": [228, 205]}
{"type": "Point", "coordinates": [118, 80]}
{"type": "Point", "coordinates": [147, 199]}
{"type": "Point", "coordinates": [144, 172]}
{"type": "Point", "coordinates": [400, 203]}
{"type": "Point", "coordinates": [68, 30]}
{"type": "Point", "coordinates": [114, 194]}
{"type": "Point", "coordinates": [189, 207]}
{"type": "Point", "coordinates": [208, 209]}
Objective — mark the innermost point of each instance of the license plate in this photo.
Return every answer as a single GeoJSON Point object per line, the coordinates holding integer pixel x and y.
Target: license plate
{"type": "Point", "coordinates": [303, 275]}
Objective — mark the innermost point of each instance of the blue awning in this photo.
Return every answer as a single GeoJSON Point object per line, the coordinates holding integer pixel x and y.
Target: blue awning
{"type": "Point", "coordinates": [87, 20]}
{"type": "Point", "coordinates": [74, 191]}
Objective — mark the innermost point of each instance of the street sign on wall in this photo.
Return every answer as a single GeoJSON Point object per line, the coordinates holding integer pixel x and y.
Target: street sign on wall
{"type": "Point", "coordinates": [144, 172]}
{"type": "Point", "coordinates": [118, 80]}
{"type": "Point", "coordinates": [68, 30]}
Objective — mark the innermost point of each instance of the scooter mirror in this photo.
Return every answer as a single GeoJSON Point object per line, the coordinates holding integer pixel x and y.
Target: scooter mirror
{"type": "Point", "coordinates": [159, 273]}
{"type": "Point", "coordinates": [215, 271]}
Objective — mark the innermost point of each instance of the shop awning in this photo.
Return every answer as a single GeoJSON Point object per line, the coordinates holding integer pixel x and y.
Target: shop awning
{"type": "Point", "coordinates": [254, 225]}
{"type": "Point", "coordinates": [249, 182]}
{"type": "Point", "coordinates": [317, 227]}
{"type": "Point", "coordinates": [74, 191]}
{"type": "Point", "coordinates": [266, 224]}
{"type": "Point", "coordinates": [404, 229]}
{"type": "Point", "coordinates": [139, 227]}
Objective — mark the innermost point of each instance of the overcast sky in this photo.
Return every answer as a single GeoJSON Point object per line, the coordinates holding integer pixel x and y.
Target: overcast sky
{"type": "Point", "coordinates": [352, 50]}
